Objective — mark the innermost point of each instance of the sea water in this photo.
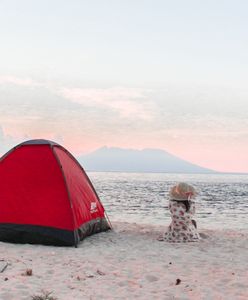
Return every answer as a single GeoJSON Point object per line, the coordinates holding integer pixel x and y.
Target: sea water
{"type": "Point", "coordinates": [222, 200]}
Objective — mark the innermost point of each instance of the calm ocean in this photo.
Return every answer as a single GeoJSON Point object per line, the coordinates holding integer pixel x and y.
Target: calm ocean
{"type": "Point", "coordinates": [222, 201]}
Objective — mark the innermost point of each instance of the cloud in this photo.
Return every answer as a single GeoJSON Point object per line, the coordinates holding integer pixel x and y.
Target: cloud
{"type": "Point", "coordinates": [127, 102]}
{"type": "Point", "coordinates": [26, 82]}
{"type": "Point", "coordinates": [7, 141]}
{"type": "Point", "coordinates": [83, 119]}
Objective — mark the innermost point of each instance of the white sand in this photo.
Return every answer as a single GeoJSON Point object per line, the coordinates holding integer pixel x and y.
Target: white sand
{"type": "Point", "coordinates": [129, 263]}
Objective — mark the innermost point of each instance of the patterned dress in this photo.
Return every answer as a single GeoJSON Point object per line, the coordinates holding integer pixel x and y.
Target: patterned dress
{"type": "Point", "coordinates": [181, 228]}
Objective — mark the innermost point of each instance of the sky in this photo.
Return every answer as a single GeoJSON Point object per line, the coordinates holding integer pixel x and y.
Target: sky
{"type": "Point", "coordinates": [134, 74]}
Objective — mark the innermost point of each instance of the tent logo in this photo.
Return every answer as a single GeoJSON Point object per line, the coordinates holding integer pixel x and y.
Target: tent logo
{"type": "Point", "coordinates": [93, 207]}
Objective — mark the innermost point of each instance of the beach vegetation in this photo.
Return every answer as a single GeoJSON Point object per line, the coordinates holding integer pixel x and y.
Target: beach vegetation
{"type": "Point", "coordinates": [44, 296]}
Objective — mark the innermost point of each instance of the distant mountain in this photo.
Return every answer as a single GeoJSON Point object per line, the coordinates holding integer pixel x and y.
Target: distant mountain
{"type": "Point", "coordinates": [147, 160]}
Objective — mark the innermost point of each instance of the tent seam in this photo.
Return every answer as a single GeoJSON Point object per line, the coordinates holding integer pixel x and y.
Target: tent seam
{"type": "Point", "coordinates": [67, 190]}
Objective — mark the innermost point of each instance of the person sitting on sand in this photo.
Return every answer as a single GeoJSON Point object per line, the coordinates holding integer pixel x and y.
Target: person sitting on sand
{"type": "Point", "coordinates": [182, 208]}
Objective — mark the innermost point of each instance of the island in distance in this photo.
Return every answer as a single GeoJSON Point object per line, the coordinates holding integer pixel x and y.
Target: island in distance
{"type": "Point", "coordinates": [110, 159]}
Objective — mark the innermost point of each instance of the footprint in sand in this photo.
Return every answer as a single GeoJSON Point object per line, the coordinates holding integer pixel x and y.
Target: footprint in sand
{"type": "Point", "coordinates": [151, 278]}
{"type": "Point", "coordinates": [203, 235]}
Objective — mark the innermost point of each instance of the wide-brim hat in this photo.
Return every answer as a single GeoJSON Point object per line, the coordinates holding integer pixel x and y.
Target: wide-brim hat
{"type": "Point", "coordinates": [182, 191]}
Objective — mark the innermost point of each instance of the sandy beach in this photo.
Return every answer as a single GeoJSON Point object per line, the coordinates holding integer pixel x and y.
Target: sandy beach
{"type": "Point", "coordinates": [129, 263]}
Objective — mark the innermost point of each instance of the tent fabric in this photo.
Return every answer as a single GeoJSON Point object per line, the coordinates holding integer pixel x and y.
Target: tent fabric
{"type": "Point", "coordinates": [46, 197]}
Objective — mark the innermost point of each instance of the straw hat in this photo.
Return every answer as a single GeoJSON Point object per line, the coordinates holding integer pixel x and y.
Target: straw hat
{"type": "Point", "coordinates": [182, 191]}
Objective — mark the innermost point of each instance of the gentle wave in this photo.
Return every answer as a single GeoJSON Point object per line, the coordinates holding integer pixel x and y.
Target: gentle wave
{"type": "Point", "coordinates": [222, 200]}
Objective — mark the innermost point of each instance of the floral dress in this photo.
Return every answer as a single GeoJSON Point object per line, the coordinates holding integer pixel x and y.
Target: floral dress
{"type": "Point", "coordinates": [181, 228]}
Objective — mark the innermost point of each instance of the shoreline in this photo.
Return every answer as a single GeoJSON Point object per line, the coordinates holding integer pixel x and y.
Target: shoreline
{"type": "Point", "coordinates": [129, 263]}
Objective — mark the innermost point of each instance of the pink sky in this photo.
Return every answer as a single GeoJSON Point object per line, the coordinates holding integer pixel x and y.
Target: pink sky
{"type": "Point", "coordinates": [169, 76]}
{"type": "Point", "coordinates": [223, 155]}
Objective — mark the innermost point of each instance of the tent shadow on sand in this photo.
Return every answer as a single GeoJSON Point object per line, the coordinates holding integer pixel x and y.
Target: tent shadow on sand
{"type": "Point", "coordinates": [46, 197]}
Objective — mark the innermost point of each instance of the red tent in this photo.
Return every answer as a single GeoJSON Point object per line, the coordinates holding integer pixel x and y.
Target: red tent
{"type": "Point", "coordinates": [46, 196]}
